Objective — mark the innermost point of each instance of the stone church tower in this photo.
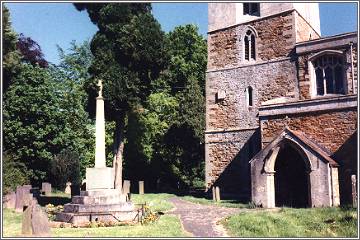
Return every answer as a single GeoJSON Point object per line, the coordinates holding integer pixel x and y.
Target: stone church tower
{"type": "Point", "coordinates": [258, 58]}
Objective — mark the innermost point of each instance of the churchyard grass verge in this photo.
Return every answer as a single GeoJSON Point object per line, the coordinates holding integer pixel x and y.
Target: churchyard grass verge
{"type": "Point", "coordinates": [292, 222]}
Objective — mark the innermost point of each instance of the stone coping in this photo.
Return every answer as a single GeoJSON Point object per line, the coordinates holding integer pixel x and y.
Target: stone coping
{"type": "Point", "coordinates": [310, 105]}
{"type": "Point", "coordinates": [326, 42]}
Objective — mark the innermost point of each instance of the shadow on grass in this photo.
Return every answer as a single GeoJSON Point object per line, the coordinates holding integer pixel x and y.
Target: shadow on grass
{"type": "Point", "coordinates": [55, 200]}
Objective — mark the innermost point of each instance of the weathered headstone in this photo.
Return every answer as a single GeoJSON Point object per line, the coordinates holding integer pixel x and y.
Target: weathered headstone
{"type": "Point", "coordinates": [9, 200]}
{"type": "Point", "coordinates": [26, 221]}
{"type": "Point", "coordinates": [46, 188]}
{"type": "Point", "coordinates": [22, 194]}
{"type": "Point", "coordinates": [68, 188]}
{"type": "Point", "coordinates": [353, 190]}
{"type": "Point", "coordinates": [141, 187]}
{"type": "Point", "coordinates": [126, 187]}
{"type": "Point", "coordinates": [35, 221]}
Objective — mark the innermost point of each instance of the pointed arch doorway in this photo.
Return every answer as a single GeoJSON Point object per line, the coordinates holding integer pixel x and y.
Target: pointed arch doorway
{"type": "Point", "coordinates": [291, 177]}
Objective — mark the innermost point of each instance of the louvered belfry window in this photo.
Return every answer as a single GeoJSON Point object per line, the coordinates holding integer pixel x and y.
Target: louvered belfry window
{"type": "Point", "coordinates": [251, 9]}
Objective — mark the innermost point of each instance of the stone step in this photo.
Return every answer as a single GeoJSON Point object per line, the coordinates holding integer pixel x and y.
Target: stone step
{"type": "Point", "coordinates": [112, 199]}
{"type": "Point", "coordinates": [83, 208]}
{"type": "Point", "coordinates": [101, 192]}
{"type": "Point", "coordinates": [83, 218]}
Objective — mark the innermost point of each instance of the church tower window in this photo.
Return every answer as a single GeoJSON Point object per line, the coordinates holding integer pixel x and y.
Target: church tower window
{"type": "Point", "coordinates": [251, 9]}
{"type": "Point", "coordinates": [329, 74]}
{"type": "Point", "coordinates": [249, 46]}
{"type": "Point", "coordinates": [249, 96]}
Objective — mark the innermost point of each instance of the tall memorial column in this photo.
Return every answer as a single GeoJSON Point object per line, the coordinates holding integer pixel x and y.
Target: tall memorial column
{"type": "Point", "coordinates": [100, 177]}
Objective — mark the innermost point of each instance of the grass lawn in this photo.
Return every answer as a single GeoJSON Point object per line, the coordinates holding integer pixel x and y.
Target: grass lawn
{"type": "Point", "coordinates": [310, 222]}
{"type": "Point", "coordinates": [222, 203]}
{"type": "Point", "coordinates": [166, 226]}
{"type": "Point", "coordinates": [156, 201]}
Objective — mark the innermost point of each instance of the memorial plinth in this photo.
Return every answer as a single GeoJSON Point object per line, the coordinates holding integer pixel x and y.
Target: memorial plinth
{"type": "Point", "coordinates": [101, 201]}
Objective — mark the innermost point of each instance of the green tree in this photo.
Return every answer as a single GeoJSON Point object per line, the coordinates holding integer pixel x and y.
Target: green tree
{"type": "Point", "coordinates": [71, 74]}
{"type": "Point", "coordinates": [11, 57]}
{"type": "Point", "coordinates": [33, 124]}
{"type": "Point", "coordinates": [128, 54]}
{"type": "Point", "coordinates": [183, 143]}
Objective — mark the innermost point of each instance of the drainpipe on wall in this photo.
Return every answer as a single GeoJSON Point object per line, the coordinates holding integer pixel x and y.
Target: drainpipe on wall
{"type": "Point", "coordinates": [352, 68]}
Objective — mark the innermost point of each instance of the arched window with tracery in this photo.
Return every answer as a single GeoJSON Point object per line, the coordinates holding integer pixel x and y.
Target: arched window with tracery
{"type": "Point", "coordinates": [249, 46]}
{"type": "Point", "coordinates": [329, 74]}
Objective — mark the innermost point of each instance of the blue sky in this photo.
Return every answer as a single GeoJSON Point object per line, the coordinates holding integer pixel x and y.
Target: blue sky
{"type": "Point", "coordinates": [60, 23]}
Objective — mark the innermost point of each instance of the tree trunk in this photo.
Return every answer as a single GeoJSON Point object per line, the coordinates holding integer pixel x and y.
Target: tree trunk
{"type": "Point", "coordinates": [118, 150]}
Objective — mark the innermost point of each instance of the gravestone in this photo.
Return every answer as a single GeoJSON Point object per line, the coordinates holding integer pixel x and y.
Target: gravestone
{"type": "Point", "coordinates": [141, 187]}
{"type": "Point", "coordinates": [22, 195]}
{"type": "Point", "coordinates": [35, 221]}
{"type": "Point", "coordinates": [68, 188]}
{"type": "Point", "coordinates": [126, 187]}
{"type": "Point", "coordinates": [9, 200]}
{"type": "Point", "coordinates": [46, 188]}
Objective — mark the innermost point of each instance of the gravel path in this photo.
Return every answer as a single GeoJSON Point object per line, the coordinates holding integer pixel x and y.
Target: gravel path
{"type": "Point", "coordinates": [201, 220]}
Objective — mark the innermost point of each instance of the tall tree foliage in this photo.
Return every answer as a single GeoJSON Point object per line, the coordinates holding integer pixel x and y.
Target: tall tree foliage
{"type": "Point", "coordinates": [31, 51]}
{"type": "Point", "coordinates": [128, 54]}
{"type": "Point", "coordinates": [34, 127]}
{"type": "Point", "coordinates": [166, 135]}
{"type": "Point", "coordinates": [45, 122]}
{"type": "Point", "coordinates": [11, 57]}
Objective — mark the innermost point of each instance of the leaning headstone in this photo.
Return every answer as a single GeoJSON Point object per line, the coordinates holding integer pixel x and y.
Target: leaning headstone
{"type": "Point", "coordinates": [39, 222]}
{"type": "Point", "coordinates": [35, 221]}
{"type": "Point", "coordinates": [126, 187]}
{"type": "Point", "coordinates": [68, 188]}
{"type": "Point", "coordinates": [141, 187]}
{"type": "Point", "coordinates": [21, 197]}
{"type": "Point", "coordinates": [46, 188]}
{"type": "Point", "coordinates": [26, 221]}
{"type": "Point", "coordinates": [353, 190]}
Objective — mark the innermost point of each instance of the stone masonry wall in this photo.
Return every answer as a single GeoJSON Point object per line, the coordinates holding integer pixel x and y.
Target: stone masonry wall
{"type": "Point", "coordinates": [227, 162]}
{"type": "Point", "coordinates": [268, 81]}
{"type": "Point", "coordinates": [304, 31]}
{"type": "Point", "coordinates": [276, 39]}
{"type": "Point", "coordinates": [330, 129]}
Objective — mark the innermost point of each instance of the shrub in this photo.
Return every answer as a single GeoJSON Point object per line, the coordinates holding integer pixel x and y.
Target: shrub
{"type": "Point", "coordinates": [14, 173]}
{"type": "Point", "coordinates": [65, 167]}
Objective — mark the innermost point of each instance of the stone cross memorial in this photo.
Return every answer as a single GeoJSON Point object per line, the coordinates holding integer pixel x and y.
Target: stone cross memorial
{"type": "Point", "coordinates": [101, 201]}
